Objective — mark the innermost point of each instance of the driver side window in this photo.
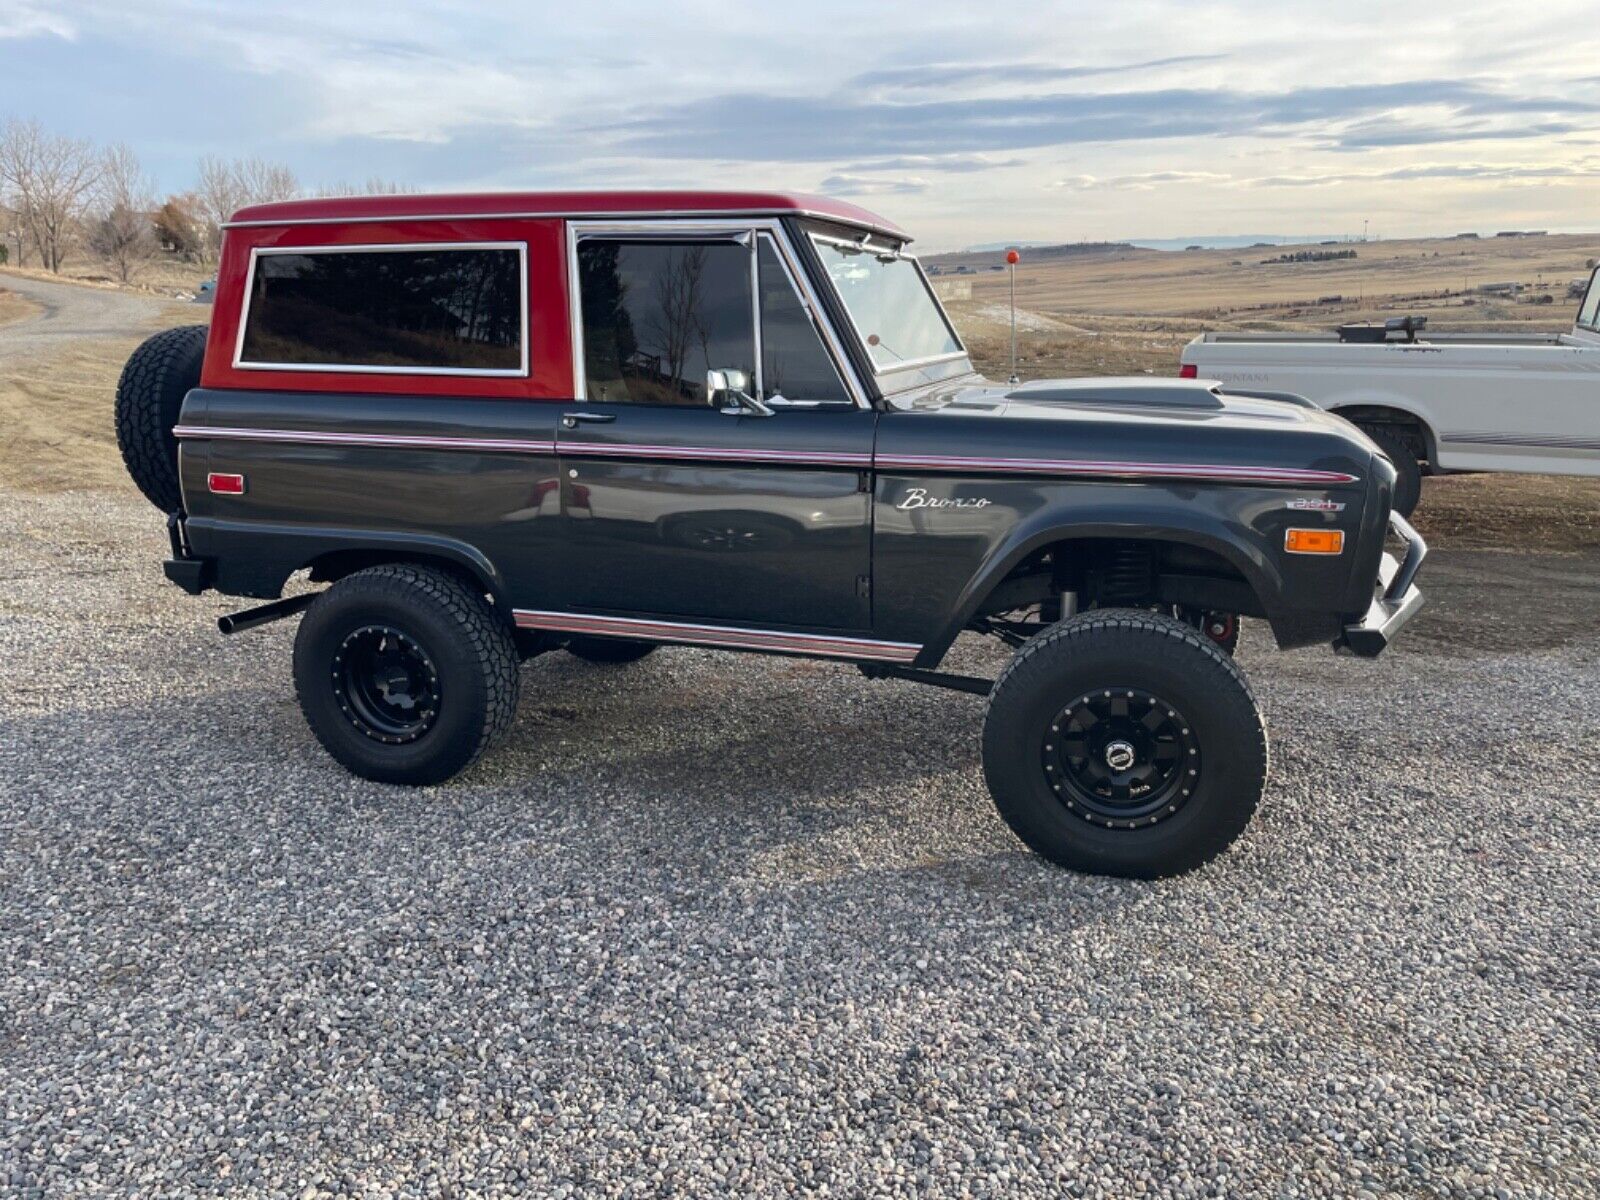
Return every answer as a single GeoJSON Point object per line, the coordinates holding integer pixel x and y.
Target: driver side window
{"type": "Point", "coordinates": [658, 315]}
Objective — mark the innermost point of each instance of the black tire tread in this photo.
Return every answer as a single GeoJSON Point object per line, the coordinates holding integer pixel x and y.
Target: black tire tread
{"type": "Point", "coordinates": [488, 634]}
{"type": "Point", "coordinates": [1035, 658]}
{"type": "Point", "coordinates": [150, 393]}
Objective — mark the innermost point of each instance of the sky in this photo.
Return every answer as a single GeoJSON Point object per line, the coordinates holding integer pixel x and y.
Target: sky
{"type": "Point", "coordinates": [965, 123]}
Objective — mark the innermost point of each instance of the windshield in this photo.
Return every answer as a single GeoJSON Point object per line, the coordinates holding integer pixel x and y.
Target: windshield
{"type": "Point", "coordinates": [1589, 314]}
{"type": "Point", "coordinates": [889, 304]}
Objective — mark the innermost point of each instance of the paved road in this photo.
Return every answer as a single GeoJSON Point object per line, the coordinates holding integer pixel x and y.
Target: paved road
{"type": "Point", "coordinates": [68, 311]}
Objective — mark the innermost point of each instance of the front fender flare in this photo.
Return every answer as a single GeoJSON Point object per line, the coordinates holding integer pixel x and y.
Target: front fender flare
{"type": "Point", "coordinates": [1154, 524]}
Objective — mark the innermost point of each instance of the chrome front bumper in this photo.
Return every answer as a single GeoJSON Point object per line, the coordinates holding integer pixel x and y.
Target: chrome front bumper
{"type": "Point", "coordinates": [1397, 598]}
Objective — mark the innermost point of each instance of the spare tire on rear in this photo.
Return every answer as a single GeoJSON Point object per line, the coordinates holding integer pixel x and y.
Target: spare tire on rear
{"type": "Point", "coordinates": [159, 374]}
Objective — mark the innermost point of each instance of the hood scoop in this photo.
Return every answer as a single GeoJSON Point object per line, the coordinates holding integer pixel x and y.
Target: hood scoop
{"type": "Point", "coordinates": [1119, 394]}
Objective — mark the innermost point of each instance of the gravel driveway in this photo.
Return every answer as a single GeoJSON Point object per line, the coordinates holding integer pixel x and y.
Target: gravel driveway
{"type": "Point", "coordinates": [71, 311]}
{"type": "Point", "coordinates": [715, 924]}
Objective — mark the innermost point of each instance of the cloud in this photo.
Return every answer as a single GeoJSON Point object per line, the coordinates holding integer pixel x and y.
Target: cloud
{"type": "Point", "coordinates": [1386, 134]}
{"type": "Point", "coordinates": [756, 126]}
{"type": "Point", "coordinates": [842, 184]}
{"type": "Point", "coordinates": [1587, 168]}
{"type": "Point", "coordinates": [1142, 183]}
{"type": "Point", "coordinates": [934, 76]}
{"type": "Point", "coordinates": [22, 19]}
{"type": "Point", "coordinates": [961, 163]}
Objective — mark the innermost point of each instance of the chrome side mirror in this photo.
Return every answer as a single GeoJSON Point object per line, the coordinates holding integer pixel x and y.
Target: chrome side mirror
{"type": "Point", "coordinates": [730, 386]}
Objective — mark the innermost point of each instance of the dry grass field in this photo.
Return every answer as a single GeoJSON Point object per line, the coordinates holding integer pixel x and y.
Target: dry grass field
{"type": "Point", "coordinates": [1131, 311]}
{"type": "Point", "coordinates": [57, 416]}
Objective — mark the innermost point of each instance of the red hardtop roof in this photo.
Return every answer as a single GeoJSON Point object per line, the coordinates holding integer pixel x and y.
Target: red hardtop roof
{"type": "Point", "coordinates": [564, 204]}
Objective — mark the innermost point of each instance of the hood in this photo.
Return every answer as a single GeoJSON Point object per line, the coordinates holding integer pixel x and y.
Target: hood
{"type": "Point", "coordinates": [1140, 419]}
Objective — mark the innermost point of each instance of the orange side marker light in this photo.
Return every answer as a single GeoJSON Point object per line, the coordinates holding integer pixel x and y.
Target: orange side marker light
{"type": "Point", "coordinates": [1314, 541]}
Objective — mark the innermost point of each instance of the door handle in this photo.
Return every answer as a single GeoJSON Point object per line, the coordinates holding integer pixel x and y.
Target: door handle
{"type": "Point", "coordinates": [572, 420]}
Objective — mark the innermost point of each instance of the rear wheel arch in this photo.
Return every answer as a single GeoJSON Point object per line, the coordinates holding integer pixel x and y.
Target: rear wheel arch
{"type": "Point", "coordinates": [1392, 416]}
{"type": "Point", "coordinates": [467, 568]}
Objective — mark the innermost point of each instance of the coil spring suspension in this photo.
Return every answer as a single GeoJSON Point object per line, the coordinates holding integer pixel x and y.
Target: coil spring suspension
{"type": "Point", "coordinates": [1129, 575]}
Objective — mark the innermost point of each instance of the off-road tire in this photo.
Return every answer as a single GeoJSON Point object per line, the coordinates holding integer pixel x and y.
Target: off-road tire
{"type": "Point", "coordinates": [158, 375]}
{"type": "Point", "coordinates": [463, 639]}
{"type": "Point", "coordinates": [1114, 651]}
{"type": "Point", "coordinates": [1408, 471]}
{"type": "Point", "coordinates": [609, 651]}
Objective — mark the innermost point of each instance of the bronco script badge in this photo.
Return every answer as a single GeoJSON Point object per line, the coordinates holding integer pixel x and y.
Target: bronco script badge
{"type": "Point", "coordinates": [919, 498]}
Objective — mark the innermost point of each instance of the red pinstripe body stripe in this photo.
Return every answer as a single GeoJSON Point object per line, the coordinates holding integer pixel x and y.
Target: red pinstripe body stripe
{"type": "Point", "coordinates": [404, 441]}
{"type": "Point", "coordinates": [1056, 466]}
{"type": "Point", "coordinates": [733, 454]}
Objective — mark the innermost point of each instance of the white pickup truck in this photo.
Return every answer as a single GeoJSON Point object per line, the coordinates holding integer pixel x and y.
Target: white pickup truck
{"type": "Point", "coordinates": [1527, 403]}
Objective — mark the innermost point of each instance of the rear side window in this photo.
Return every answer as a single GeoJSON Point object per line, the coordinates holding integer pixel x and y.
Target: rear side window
{"type": "Point", "coordinates": [449, 310]}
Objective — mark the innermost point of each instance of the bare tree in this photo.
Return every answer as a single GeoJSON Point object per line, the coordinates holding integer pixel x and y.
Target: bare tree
{"type": "Point", "coordinates": [49, 178]}
{"type": "Point", "coordinates": [374, 186]}
{"type": "Point", "coordinates": [226, 187]}
{"type": "Point", "coordinates": [120, 230]}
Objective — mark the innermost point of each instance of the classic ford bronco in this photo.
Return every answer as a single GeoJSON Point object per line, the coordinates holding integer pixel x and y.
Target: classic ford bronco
{"type": "Point", "coordinates": [499, 425]}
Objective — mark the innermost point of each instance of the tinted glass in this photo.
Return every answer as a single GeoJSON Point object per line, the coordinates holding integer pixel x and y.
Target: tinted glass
{"type": "Point", "coordinates": [794, 363]}
{"type": "Point", "coordinates": [1589, 314]}
{"type": "Point", "coordinates": [658, 315]}
{"type": "Point", "coordinates": [890, 305]}
{"type": "Point", "coordinates": [432, 309]}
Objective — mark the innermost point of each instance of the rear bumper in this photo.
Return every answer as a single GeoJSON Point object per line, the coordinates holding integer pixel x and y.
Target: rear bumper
{"type": "Point", "coordinates": [1397, 597]}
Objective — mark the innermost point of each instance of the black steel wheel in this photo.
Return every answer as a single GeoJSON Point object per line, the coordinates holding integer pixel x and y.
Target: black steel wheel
{"type": "Point", "coordinates": [405, 674]}
{"type": "Point", "coordinates": [1121, 758]}
{"type": "Point", "coordinates": [1124, 742]}
{"type": "Point", "coordinates": [386, 684]}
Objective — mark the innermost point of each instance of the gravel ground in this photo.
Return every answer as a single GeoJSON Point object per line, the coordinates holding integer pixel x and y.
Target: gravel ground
{"type": "Point", "coordinates": [720, 924]}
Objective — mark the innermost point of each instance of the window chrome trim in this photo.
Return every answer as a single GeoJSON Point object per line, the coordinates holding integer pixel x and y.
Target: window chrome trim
{"type": "Point", "coordinates": [258, 252]}
{"type": "Point", "coordinates": [864, 246]}
{"type": "Point", "coordinates": [657, 227]}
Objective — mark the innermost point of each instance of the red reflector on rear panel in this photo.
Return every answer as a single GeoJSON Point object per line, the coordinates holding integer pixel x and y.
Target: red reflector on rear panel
{"type": "Point", "coordinates": [1189, 371]}
{"type": "Point", "coordinates": [225, 485]}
